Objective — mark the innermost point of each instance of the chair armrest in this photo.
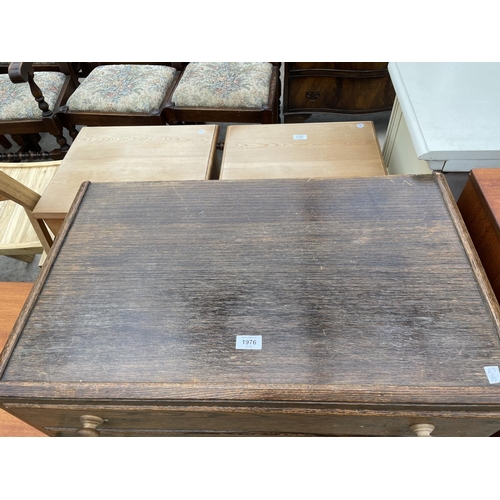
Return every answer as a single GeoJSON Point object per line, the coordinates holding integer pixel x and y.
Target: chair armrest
{"type": "Point", "coordinates": [19, 71]}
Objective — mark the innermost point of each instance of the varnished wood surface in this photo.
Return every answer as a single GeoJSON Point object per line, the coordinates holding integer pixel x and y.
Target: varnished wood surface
{"type": "Point", "coordinates": [158, 420]}
{"type": "Point", "coordinates": [12, 298]}
{"type": "Point", "coordinates": [348, 149]}
{"type": "Point", "coordinates": [359, 67]}
{"type": "Point", "coordinates": [337, 87]}
{"type": "Point", "coordinates": [479, 205]}
{"type": "Point", "coordinates": [129, 154]}
{"type": "Point", "coordinates": [374, 311]}
{"type": "Point", "coordinates": [357, 283]}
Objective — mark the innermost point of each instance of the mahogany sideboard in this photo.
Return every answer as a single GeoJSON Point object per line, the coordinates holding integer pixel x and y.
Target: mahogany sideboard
{"type": "Point", "coordinates": [260, 307]}
{"type": "Point", "coordinates": [336, 87]}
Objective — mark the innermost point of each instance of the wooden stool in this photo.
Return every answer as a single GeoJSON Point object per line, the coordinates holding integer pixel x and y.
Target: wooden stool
{"type": "Point", "coordinates": [121, 95]}
{"type": "Point", "coordinates": [238, 92]}
{"type": "Point", "coordinates": [128, 154]}
{"type": "Point", "coordinates": [304, 150]}
{"type": "Point", "coordinates": [12, 298]}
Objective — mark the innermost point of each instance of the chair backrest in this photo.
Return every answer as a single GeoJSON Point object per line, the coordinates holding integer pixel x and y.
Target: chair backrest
{"type": "Point", "coordinates": [20, 184]}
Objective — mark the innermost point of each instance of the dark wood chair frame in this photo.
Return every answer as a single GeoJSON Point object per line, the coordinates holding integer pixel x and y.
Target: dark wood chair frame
{"type": "Point", "coordinates": [270, 113]}
{"type": "Point", "coordinates": [27, 132]}
{"type": "Point", "coordinates": [4, 142]}
{"type": "Point", "coordinates": [73, 69]}
{"type": "Point", "coordinates": [71, 119]}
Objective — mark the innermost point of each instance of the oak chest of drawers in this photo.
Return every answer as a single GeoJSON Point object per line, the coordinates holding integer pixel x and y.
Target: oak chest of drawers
{"type": "Point", "coordinates": [269, 307]}
{"type": "Point", "coordinates": [348, 87]}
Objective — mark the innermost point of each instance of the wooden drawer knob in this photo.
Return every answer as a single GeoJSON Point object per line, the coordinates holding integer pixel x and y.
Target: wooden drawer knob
{"type": "Point", "coordinates": [89, 422]}
{"type": "Point", "coordinates": [422, 430]}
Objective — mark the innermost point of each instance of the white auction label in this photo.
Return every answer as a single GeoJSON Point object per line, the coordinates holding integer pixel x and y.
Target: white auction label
{"type": "Point", "coordinates": [493, 374]}
{"type": "Point", "coordinates": [248, 341]}
{"type": "Point", "coordinates": [360, 125]}
{"type": "Point", "coordinates": [300, 137]}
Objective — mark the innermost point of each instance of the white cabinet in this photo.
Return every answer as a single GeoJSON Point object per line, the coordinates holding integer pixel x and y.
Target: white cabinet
{"type": "Point", "coordinates": [446, 117]}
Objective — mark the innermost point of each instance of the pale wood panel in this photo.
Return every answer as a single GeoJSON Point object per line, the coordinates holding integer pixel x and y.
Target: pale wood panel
{"type": "Point", "coordinates": [17, 235]}
{"type": "Point", "coordinates": [129, 154]}
{"type": "Point", "coordinates": [12, 298]}
{"type": "Point", "coordinates": [348, 149]}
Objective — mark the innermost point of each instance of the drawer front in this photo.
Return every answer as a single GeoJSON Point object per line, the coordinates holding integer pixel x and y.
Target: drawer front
{"type": "Point", "coordinates": [326, 93]}
{"type": "Point", "coordinates": [117, 420]}
{"type": "Point", "coordinates": [341, 66]}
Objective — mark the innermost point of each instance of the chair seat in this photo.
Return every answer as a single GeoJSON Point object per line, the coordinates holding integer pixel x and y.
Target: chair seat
{"type": "Point", "coordinates": [224, 85]}
{"type": "Point", "coordinates": [17, 102]}
{"type": "Point", "coordinates": [123, 88]}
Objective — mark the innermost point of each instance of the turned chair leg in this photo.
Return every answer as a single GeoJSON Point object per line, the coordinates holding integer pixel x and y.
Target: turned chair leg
{"type": "Point", "coordinates": [4, 142]}
{"type": "Point", "coordinates": [73, 132]}
{"type": "Point", "coordinates": [27, 142]}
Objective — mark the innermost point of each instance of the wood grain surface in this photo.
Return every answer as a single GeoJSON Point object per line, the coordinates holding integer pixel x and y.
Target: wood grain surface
{"type": "Point", "coordinates": [17, 236]}
{"type": "Point", "coordinates": [348, 149]}
{"type": "Point", "coordinates": [341, 87]}
{"type": "Point", "coordinates": [359, 287]}
{"type": "Point", "coordinates": [129, 154]}
{"type": "Point", "coordinates": [479, 205]}
{"type": "Point", "coordinates": [12, 298]}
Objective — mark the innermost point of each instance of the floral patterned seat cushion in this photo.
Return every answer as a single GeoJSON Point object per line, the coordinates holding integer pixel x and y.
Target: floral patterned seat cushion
{"type": "Point", "coordinates": [17, 101]}
{"type": "Point", "coordinates": [123, 88]}
{"type": "Point", "coordinates": [224, 85]}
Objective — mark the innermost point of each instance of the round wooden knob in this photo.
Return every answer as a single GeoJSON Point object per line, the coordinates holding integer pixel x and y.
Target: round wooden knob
{"type": "Point", "coordinates": [422, 430]}
{"type": "Point", "coordinates": [89, 422]}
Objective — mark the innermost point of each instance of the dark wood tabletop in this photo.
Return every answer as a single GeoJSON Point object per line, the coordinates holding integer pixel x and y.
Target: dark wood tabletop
{"type": "Point", "coordinates": [364, 291]}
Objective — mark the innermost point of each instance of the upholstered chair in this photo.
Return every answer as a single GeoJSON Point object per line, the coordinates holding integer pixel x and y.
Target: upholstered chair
{"type": "Point", "coordinates": [120, 94]}
{"type": "Point", "coordinates": [241, 92]}
{"type": "Point", "coordinates": [27, 102]}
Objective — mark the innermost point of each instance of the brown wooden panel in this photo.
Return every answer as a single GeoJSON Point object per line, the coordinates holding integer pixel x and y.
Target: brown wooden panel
{"type": "Point", "coordinates": [321, 268]}
{"type": "Point", "coordinates": [12, 298]}
{"type": "Point", "coordinates": [158, 420]}
{"type": "Point", "coordinates": [325, 93]}
{"type": "Point", "coordinates": [371, 302]}
{"type": "Point", "coordinates": [479, 205]}
{"type": "Point", "coordinates": [346, 66]}
{"type": "Point", "coordinates": [338, 87]}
